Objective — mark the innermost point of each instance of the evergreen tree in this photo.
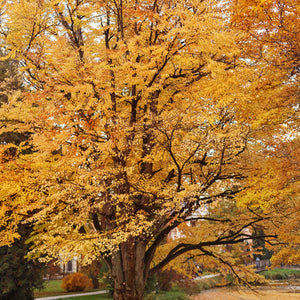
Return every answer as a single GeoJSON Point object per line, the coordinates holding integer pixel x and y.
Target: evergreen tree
{"type": "Point", "coordinates": [260, 245]}
{"type": "Point", "coordinates": [18, 276]}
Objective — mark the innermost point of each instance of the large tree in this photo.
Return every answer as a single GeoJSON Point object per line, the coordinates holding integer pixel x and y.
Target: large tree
{"type": "Point", "coordinates": [140, 113]}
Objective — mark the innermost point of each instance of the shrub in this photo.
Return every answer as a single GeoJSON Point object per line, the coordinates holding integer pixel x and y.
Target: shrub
{"type": "Point", "coordinates": [164, 281]}
{"type": "Point", "coordinates": [106, 281]}
{"type": "Point", "coordinates": [281, 274]}
{"type": "Point", "coordinates": [93, 270]}
{"type": "Point", "coordinates": [76, 282]}
{"type": "Point", "coordinates": [167, 282]}
{"type": "Point", "coordinates": [52, 269]}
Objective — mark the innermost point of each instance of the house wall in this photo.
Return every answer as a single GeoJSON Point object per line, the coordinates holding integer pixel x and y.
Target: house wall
{"type": "Point", "coordinates": [71, 266]}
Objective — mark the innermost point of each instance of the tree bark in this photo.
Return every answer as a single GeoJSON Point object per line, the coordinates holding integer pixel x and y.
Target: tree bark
{"type": "Point", "coordinates": [128, 270]}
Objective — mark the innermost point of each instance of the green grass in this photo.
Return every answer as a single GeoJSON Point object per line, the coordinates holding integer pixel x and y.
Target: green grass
{"type": "Point", "coordinates": [181, 292]}
{"type": "Point", "coordinates": [172, 295]}
{"type": "Point", "coordinates": [91, 297]}
{"type": "Point", "coordinates": [281, 274]}
{"type": "Point", "coordinates": [53, 286]}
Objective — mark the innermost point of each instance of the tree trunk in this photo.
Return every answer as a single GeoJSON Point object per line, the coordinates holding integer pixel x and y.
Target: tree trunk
{"type": "Point", "coordinates": [128, 270]}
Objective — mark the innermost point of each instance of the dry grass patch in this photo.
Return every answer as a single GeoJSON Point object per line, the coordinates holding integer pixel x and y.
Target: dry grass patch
{"type": "Point", "coordinates": [245, 294]}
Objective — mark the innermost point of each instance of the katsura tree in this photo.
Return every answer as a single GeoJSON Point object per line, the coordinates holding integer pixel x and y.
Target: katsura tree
{"type": "Point", "coordinates": [142, 115]}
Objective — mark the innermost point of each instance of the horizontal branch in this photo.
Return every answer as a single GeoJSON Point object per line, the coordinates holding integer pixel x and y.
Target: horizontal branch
{"type": "Point", "coordinates": [183, 248]}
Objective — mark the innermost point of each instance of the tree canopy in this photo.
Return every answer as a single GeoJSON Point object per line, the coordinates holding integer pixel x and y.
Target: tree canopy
{"type": "Point", "coordinates": [139, 115]}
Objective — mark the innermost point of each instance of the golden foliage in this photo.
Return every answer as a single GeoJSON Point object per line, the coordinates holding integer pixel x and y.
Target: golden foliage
{"type": "Point", "coordinates": [76, 282]}
{"type": "Point", "coordinates": [142, 113]}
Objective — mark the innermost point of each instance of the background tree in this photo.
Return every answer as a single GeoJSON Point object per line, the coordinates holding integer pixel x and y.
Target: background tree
{"type": "Point", "coordinates": [273, 42]}
{"type": "Point", "coordinates": [141, 113]}
{"type": "Point", "coordinates": [93, 271]}
{"type": "Point", "coordinates": [259, 246]}
{"type": "Point", "coordinates": [276, 193]}
{"type": "Point", "coordinates": [18, 275]}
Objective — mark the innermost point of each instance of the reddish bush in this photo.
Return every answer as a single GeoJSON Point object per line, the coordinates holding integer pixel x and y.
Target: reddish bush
{"type": "Point", "coordinates": [93, 271]}
{"type": "Point", "coordinates": [168, 278]}
{"type": "Point", "coordinates": [52, 269]}
{"type": "Point", "coordinates": [76, 282]}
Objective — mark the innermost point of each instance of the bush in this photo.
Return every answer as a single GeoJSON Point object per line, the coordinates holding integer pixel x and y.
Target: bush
{"type": "Point", "coordinates": [164, 281]}
{"type": "Point", "coordinates": [76, 282]}
{"type": "Point", "coordinates": [281, 274]}
{"type": "Point", "coordinates": [167, 282]}
{"type": "Point", "coordinates": [52, 269]}
{"type": "Point", "coordinates": [106, 281]}
{"type": "Point", "coordinates": [93, 270]}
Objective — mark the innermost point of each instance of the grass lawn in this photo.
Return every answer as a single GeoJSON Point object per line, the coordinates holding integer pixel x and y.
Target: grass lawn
{"type": "Point", "coordinates": [53, 288]}
{"type": "Point", "coordinates": [91, 297]}
{"type": "Point", "coordinates": [278, 274]}
{"type": "Point", "coordinates": [172, 295]}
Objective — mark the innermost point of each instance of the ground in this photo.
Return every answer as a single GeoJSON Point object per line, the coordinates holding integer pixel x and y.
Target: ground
{"type": "Point", "coordinates": [246, 294]}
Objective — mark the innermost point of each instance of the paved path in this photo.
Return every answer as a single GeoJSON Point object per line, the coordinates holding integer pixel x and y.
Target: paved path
{"type": "Point", "coordinates": [206, 276]}
{"type": "Point", "coordinates": [71, 295]}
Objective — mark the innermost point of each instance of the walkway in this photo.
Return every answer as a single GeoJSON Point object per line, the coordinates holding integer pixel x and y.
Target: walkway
{"type": "Point", "coordinates": [71, 295]}
{"type": "Point", "coordinates": [206, 276]}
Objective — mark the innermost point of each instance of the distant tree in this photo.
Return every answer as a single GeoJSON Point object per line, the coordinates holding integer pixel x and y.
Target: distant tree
{"type": "Point", "coordinates": [18, 275]}
{"type": "Point", "coordinates": [259, 246]}
{"type": "Point", "coordinates": [93, 271]}
{"type": "Point", "coordinates": [53, 269]}
{"type": "Point", "coordinates": [9, 78]}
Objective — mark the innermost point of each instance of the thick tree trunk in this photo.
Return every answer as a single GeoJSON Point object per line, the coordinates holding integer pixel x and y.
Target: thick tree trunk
{"type": "Point", "coordinates": [128, 270]}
